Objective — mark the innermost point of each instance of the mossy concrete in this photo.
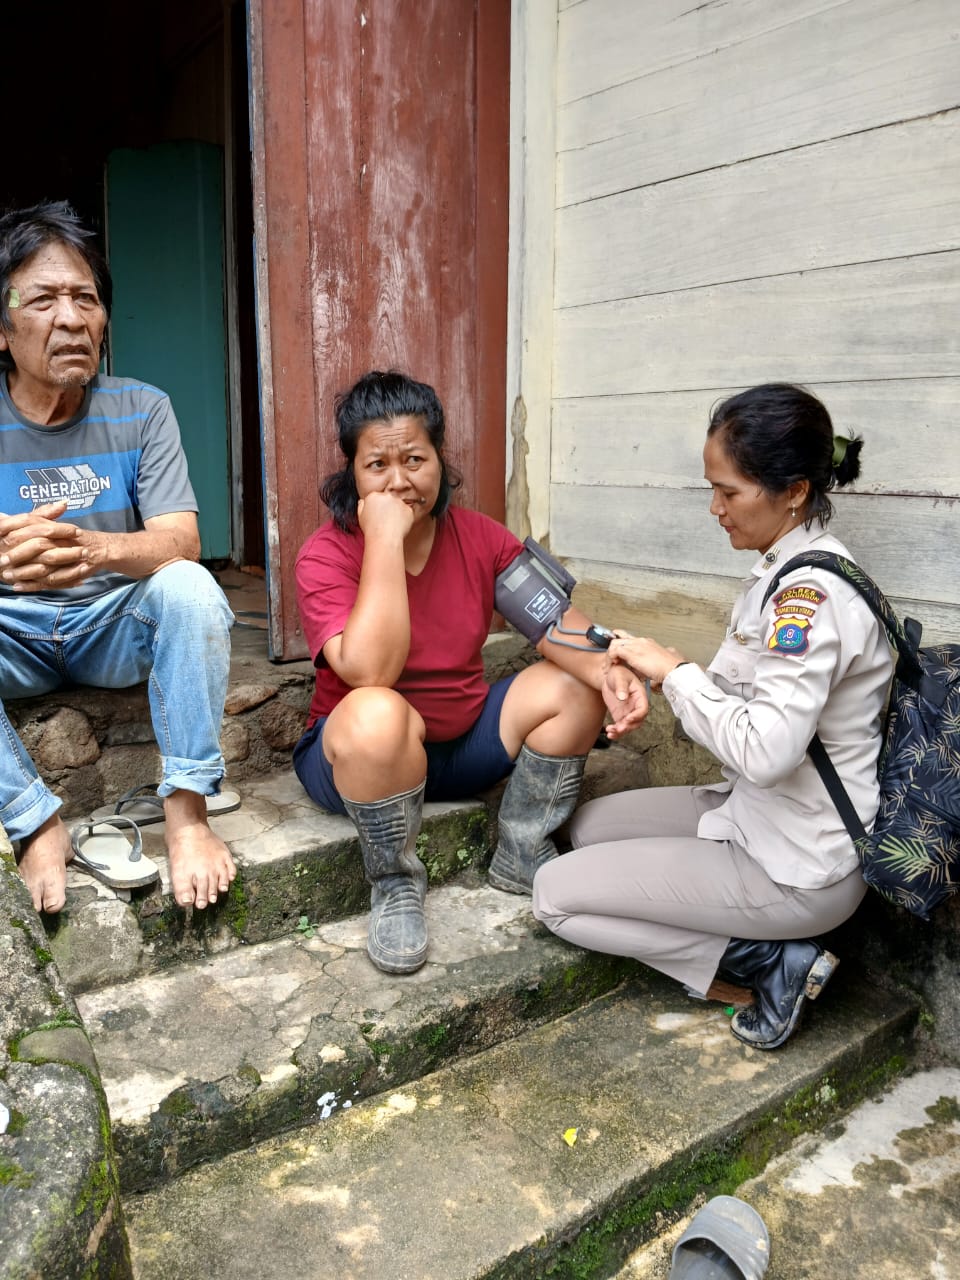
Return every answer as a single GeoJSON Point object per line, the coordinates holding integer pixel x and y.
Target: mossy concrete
{"type": "Point", "coordinates": [206, 1058]}
{"type": "Point", "coordinates": [60, 1213]}
{"type": "Point", "coordinates": [295, 861]}
{"type": "Point", "coordinates": [871, 1195]}
{"type": "Point", "coordinates": [354, 1043]}
{"type": "Point", "coordinates": [509, 1163]}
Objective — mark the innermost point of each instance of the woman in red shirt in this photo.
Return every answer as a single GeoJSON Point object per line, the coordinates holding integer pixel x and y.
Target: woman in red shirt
{"type": "Point", "coordinates": [396, 597]}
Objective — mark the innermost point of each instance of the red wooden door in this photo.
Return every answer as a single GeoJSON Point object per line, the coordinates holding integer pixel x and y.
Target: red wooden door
{"type": "Point", "coordinates": [380, 168]}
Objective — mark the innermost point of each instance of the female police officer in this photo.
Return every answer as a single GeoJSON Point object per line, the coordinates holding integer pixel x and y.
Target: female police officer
{"type": "Point", "coordinates": [735, 879]}
{"type": "Point", "coordinates": [396, 595]}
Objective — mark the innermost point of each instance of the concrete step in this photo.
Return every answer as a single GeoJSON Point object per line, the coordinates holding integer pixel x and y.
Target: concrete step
{"type": "Point", "coordinates": [554, 1153]}
{"type": "Point", "coordinates": [874, 1196]}
{"type": "Point", "coordinates": [205, 1058]}
{"type": "Point", "coordinates": [295, 862]}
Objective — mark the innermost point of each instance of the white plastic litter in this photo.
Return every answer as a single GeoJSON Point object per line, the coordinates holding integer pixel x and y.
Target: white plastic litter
{"type": "Point", "coordinates": [326, 1102]}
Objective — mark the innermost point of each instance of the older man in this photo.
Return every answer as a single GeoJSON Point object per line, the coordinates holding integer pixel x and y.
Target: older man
{"type": "Point", "coordinates": [99, 583]}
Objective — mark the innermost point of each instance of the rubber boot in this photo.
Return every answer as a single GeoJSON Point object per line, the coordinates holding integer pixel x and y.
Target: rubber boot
{"type": "Point", "coordinates": [782, 976]}
{"type": "Point", "coordinates": [540, 795]}
{"type": "Point", "coordinates": [388, 830]}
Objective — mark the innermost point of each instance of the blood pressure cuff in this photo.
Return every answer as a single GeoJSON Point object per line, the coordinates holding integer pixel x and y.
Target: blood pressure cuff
{"type": "Point", "coordinates": [533, 591]}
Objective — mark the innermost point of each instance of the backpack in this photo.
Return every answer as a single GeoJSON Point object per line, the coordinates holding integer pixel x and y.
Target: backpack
{"type": "Point", "coordinates": [912, 856]}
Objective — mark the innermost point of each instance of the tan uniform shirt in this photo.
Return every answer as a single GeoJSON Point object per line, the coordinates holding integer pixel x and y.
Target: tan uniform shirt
{"type": "Point", "coordinates": [813, 659]}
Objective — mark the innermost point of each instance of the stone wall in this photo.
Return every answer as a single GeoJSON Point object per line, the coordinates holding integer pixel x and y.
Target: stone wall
{"type": "Point", "coordinates": [92, 745]}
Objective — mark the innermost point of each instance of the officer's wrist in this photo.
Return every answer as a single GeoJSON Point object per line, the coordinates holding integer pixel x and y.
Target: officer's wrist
{"type": "Point", "coordinates": [685, 663]}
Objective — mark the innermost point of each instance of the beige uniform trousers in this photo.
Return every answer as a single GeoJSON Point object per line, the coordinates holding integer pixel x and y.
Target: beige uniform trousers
{"type": "Point", "coordinates": [640, 883]}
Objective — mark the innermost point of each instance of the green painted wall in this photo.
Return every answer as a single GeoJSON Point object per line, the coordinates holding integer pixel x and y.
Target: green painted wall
{"type": "Point", "coordinates": [165, 244]}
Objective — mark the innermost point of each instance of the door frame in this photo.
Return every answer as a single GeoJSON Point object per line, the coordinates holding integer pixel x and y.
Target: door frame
{"type": "Point", "coordinates": [289, 396]}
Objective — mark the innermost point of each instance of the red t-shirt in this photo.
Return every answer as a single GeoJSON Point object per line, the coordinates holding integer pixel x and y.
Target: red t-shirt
{"type": "Point", "coordinates": [451, 606]}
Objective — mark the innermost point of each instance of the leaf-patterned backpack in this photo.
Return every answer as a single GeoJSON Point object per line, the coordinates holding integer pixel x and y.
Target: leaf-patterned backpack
{"type": "Point", "coordinates": [912, 856]}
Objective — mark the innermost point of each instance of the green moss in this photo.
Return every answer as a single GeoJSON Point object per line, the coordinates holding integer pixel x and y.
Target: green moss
{"type": "Point", "coordinates": [236, 908]}
{"type": "Point", "coordinates": [433, 1036]}
{"type": "Point", "coordinates": [156, 925]}
{"type": "Point", "coordinates": [574, 985]}
{"type": "Point", "coordinates": [98, 1189]}
{"type": "Point", "coordinates": [600, 1247]}
{"type": "Point", "coordinates": [12, 1175]}
{"type": "Point", "coordinates": [63, 1017]}
{"type": "Point", "coordinates": [452, 843]}
{"type": "Point", "coordinates": [177, 1103]}
{"type": "Point", "coordinates": [944, 1111]}
{"type": "Point", "coordinates": [43, 956]}
{"type": "Point", "coordinates": [815, 1106]}
{"type": "Point", "coordinates": [102, 1183]}
{"type": "Point", "coordinates": [17, 1123]}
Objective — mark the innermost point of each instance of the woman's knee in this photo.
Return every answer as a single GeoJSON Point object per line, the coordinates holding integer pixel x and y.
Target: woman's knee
{"type": "Point", "coordinates": [539, 904]}
{"type": "Point", "coordinates": [545, 885]}
{"type": "Point", "coordinates": [374, 724]}
{"type": "Point", "coordinates": [551, 710]}
{"type": "Point", "coordinates": [579, 829]}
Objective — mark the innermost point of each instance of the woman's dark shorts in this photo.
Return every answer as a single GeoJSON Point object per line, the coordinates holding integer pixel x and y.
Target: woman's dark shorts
{"type": "Point", "coordinates": [456, 769]}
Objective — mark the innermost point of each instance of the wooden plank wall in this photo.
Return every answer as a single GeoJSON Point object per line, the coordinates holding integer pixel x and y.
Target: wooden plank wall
{"type": "Point", "coordinates": [748, 191]}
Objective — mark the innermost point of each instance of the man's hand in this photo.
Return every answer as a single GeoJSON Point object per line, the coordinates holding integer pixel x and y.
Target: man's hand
{"type": "Point", "coordinates": [38, 552]}
{"type": "Point", "coordinates": [625, 697]}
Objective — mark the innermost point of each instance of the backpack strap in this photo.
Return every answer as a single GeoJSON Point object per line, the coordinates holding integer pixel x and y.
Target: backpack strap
{"type": "Point", "coordinates": [904, 636]}
{"type": "Point", "coordinates": [838, 792]}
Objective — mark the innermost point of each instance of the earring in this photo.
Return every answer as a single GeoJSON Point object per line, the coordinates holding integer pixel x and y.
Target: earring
{"type": "Point", "coordinates": [793, 513]}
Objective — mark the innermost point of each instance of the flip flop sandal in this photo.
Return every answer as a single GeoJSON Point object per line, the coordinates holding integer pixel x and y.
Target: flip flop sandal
{"type": "Point", "coordinates": [102, 850]}
{"type": "Point", "coordinates": [726, 1240]}
{"type": "Point", "coordinates": [143, 806]}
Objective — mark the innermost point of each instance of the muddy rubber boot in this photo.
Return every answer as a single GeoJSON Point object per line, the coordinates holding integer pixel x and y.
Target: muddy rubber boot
{"type": "Point", "coordinates": [782, 976]}
{"type": "Point", "coordinates": [540, 795]}
{"type": "Point", "coordinates": [388, 830]}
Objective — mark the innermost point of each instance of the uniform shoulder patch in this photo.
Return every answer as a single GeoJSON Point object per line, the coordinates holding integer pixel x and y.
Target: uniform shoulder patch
{"type": "Point", "coordinates": [802, 597]}
{"type": "Point", "coordinates": [794, 611]}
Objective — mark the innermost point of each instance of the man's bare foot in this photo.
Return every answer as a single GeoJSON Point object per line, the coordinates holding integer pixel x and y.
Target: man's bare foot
{"type": "Point", "coordinates": [43, 864]}
{"type": "Point", "coordinates": [200, 863]}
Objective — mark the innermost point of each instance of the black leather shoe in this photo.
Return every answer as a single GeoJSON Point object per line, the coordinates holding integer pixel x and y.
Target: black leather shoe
{"type": "Point", "coordinates": [782, 976]}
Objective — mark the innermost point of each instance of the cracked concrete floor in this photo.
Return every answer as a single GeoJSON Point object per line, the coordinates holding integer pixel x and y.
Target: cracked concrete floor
{"type": "Point", "coordinates": [254, 1006]}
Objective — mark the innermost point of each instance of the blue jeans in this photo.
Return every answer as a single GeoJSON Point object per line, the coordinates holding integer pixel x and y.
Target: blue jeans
{"type": "Point", "coordinates": [172, 629]}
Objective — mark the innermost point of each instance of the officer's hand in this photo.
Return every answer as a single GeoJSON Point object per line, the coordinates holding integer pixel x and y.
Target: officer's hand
{"type": "Point", "coordinates": [645, 657]}
{"type": "Point", "coordinates": [625, 697]}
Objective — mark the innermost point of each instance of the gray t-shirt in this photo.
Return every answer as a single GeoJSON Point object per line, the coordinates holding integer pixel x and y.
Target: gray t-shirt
{"type": "Point", "coordinates": [117, 462]}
